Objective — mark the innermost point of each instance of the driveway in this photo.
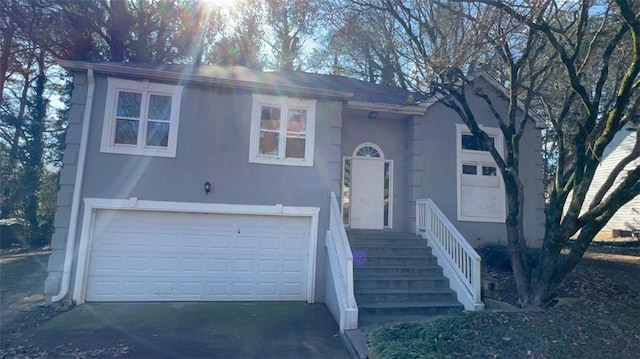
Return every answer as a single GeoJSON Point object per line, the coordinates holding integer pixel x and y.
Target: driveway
{"type": "Point", "coordinates": [196, 330]}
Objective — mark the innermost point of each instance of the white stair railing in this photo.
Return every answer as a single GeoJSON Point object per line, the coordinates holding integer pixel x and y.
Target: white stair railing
{"type": "Point", "coordinates": [461, 263]}
{"type": "Point", "coordinates": [341, 266]}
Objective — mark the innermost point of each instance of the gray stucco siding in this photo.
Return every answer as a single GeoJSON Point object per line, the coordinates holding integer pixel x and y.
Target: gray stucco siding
{"type": "Point", "coordinates": [389, 135]}
{"type": "Point", "coordinates": [67, 184]}
{"type": "Point", "coordinates": [439, 180]}
{"type": "Point", "coordinates": [213, 145]}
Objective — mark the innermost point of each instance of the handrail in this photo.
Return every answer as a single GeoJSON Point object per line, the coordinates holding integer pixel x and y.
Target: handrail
{"type": "Point", "coordinates": [454, 253]}
{"type": "Point", "coordinates": [341, 264]}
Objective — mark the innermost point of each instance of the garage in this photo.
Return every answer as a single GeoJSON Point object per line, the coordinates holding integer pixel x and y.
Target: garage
{"type": "Point", "coordinates": [142, 255]}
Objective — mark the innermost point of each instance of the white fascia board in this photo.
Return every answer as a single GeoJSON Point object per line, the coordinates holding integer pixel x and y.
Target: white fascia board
{"type": "Point", "coordinates": [146, 205]}
{"type": "Point", "coordinates": [389, 108]}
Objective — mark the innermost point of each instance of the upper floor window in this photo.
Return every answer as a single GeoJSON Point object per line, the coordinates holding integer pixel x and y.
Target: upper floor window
{"type": "Point", "coordinates": [141, 118]}
{"type": "Point", "coordinates": [282, 131]}
{"type": "Point", "coordinates": [473, 143]}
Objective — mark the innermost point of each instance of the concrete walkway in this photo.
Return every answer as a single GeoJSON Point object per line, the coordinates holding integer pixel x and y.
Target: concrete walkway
{"type": "Point", "coordinates": [198, 330]}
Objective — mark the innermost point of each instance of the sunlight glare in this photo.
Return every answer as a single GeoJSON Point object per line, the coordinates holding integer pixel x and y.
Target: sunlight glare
{"type": "Point", "coordinates": [225, 4]}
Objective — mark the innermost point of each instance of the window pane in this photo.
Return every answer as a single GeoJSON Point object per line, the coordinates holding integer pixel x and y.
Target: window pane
{"type": "Point", "coordinates": [129, 104]}
{"type": "Point", "coordinates": [470, 142]}
{"type": "Point", "coordinates": [368, 151]}
{"type": "Point", "coordinates": [345, 191]}
{"type": "Point", "coordinates": [469, 170]}
{"type": "Point", "coordinates": [489, 171]}
{"type": "Point", "coordinates": [127, 132]}
{"type": "Point", "coordinates": [270, 118]}
{"type": "Point", "coordinates": [295, 147]}
{"type": "Point", "coordinates": [269, 143]}
{"type": "Point", "coordinates": [160, 107]}
{"type": "Point", "coordinates": [297, 120]}
{"type": "Point", "coordinates": [158, 134]}
{"type": "Point", "coordinates": [387, 176]}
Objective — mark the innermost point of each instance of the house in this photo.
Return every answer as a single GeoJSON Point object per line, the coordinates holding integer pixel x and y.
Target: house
{"type": "Point", "coordinates": [212, 183]}
{"type": "Point", "coordinates": [626, 221]}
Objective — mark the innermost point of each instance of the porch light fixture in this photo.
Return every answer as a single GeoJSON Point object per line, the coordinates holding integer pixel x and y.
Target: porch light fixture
{"type": "Point", "coordinates": [207, 188]}
{"type": "Point", "coordinates": [373, 115]}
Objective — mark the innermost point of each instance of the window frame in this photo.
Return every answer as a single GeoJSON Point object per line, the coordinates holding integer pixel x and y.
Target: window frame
{"type": "Point", "coordinates": [146, 89]}
{"type": "Point", "coordinates": [479, 159]}
{"type": "Point", "coordinates": [285, 104]}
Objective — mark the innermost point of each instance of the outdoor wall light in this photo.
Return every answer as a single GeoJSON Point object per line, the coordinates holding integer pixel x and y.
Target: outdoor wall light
{"type": "Point", "coordinates": [207, 188]}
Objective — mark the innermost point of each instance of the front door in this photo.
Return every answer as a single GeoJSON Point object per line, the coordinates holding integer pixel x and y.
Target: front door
{"type": "Point", "coordinates": [367, 183]}
{"type": "Point", "coordinates": [367, 193]}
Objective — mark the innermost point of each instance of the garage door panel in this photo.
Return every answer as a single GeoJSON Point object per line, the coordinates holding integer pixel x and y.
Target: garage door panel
{"type": "Point", "coordinates": [142, 256]}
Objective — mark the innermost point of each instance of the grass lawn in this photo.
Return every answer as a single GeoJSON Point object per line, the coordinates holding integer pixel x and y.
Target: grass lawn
{"type": "Point", "coordinates": [597, 316]}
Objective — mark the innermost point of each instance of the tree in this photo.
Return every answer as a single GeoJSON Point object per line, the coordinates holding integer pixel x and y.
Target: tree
{"type": "Point", "coordinates": [25, 128]}
{"type": "Point", "coordinates": [574, 64]}
{"type": "Point", "coordinates": [290, 24]}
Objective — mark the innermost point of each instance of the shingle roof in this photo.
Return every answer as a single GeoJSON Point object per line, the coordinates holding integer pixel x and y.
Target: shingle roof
{"type": "Point", "coordinates": [354, 89]}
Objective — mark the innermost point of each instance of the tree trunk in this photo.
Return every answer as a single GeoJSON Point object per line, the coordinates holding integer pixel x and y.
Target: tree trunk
{"type": "Point", "coordinates": [34, 154]}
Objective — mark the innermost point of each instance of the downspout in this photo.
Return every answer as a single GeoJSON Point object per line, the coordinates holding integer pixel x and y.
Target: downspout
{"type": "Point", "coordinates": [77, 189]}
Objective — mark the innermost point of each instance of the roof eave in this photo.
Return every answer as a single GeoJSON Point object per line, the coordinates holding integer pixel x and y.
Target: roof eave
{"type": "Point", "coordinates": [388, 108]}
{"type": "Point", "coordinates": [118, 69]}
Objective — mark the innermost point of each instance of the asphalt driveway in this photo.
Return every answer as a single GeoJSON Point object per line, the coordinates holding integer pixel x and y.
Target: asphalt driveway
{"type": "Point", "coordinates": [196, 330]}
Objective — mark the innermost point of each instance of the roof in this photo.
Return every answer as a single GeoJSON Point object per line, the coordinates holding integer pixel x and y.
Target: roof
{"type": "Point", "coordinates": [436, 97]}
{"type": "Point", "coordinates": [289, 82]}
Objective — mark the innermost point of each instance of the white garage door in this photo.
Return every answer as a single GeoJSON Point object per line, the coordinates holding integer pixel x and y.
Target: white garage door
{"type": "Point", "coordinates": [168, 256]}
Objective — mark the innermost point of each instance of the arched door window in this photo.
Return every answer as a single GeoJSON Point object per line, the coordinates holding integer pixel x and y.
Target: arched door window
{"type": "Point", "coordinates": [368, 150]}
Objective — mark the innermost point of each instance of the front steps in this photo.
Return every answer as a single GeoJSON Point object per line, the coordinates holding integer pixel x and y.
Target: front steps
{"type": "Point", "coordinates": [395, 275]}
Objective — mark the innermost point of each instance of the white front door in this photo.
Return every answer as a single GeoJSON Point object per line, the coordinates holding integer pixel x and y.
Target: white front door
{"type": "Point", "coordinates": [367, 193]}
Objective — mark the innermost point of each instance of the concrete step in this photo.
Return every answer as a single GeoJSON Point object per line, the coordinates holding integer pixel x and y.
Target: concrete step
{"type": "Point", "coordinates": [393, 260]}
{"type": "Point", "coordinates": [381, 251]}
{"type": "Point", "coordinates": [413, 242]}
{"type": "Point", "coordinates": [425, 296]}
{"type": "Point", "coordinates": [369, 234]}
{"type": "Point", "coordinates": [404, 270]}
{"type": "Point", "coordinates": [400, 283]}
{"type": "Point", "coordinates": [396, 274]}
{"type": "Point", "coordinates": [406, 308]}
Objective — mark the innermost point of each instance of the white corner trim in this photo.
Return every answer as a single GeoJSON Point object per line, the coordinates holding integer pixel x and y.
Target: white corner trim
{"type": "Point", "coordinates": [77, 188]}
{"type": "Point", "coordinates": [91, 205]}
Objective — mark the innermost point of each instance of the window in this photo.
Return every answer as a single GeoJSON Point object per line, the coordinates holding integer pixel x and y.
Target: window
{"type": "Point", "coordinates": [473, 143]}
{"type": "Point", "coordinates": [469, 169]}
{"type": "Point", "coordinates": [489, 171]}
{"type": "Point", "coordinates": [141, 118]}
{"type": "Point", "coordinates": [282, 131]}
{"type": "Point", "coordinates": [480, 188]}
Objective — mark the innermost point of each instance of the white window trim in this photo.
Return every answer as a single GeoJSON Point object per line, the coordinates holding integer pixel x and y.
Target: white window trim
{"type": "Point", "coordinates": [92, 205]}
{"type": "Point", "coordinates": [478, 158]}
{"type": "Point", "coordinates": [285, 103]}
{"type": "Point", "coordinates": [108, 144]}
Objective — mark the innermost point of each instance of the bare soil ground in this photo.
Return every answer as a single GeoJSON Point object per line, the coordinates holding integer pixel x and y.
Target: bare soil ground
{"type": "Point", "coordinates": [22, 307]}
{"type": "Point", "coordinates": [597, 305]}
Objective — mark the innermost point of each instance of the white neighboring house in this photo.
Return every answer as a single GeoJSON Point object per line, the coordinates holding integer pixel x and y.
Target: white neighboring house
{"type": "Point", "coordinates": [626, 221]}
